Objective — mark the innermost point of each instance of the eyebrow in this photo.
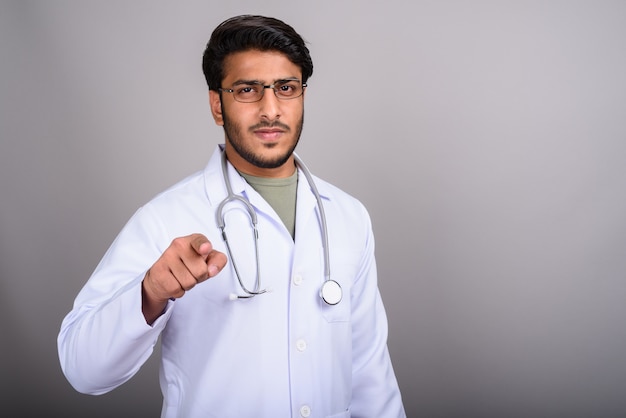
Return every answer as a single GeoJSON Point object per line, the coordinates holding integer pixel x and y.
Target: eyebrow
{"type": "Point", "coordinates": [258, 82]}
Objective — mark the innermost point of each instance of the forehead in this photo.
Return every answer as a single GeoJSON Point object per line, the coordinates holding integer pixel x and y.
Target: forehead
{"type": "Point", "coordinates": [264, 66]}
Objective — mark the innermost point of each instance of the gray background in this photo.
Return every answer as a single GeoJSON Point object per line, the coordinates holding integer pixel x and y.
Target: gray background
{"type": "Point", "coordinates": [487, 139]}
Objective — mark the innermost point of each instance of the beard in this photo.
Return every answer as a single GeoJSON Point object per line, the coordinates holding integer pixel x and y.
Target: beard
{"type": "Point", "coordinates": [236, 136]}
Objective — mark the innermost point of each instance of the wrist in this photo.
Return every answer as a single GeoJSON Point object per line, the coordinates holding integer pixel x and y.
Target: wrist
{"type": "Point", "coordinates": [151, 306]}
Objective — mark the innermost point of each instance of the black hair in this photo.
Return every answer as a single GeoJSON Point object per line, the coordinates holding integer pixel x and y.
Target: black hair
{"type": "Point", "coordinates": [250, 32]}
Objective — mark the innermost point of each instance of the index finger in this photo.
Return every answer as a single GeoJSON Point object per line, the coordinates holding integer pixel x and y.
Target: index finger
{"type": "Point", "coordinates": [200, 244]}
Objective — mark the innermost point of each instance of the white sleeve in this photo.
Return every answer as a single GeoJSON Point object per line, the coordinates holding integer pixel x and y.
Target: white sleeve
{"type": "Point", "coordinates": [104, 339]}
{"type": "Point", "coordinates": [375, 391]}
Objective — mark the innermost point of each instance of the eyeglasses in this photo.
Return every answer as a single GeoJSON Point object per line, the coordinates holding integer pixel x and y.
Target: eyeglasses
{"type": "Point", "coordinates": [250, 92]}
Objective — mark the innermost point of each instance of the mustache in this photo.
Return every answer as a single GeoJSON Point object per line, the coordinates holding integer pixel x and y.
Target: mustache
{"type": "Point", "coordinates": [275, 124]}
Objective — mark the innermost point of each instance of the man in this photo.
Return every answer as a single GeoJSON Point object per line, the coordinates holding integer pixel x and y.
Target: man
{"type": "Point", "coordinates": [286, 325]}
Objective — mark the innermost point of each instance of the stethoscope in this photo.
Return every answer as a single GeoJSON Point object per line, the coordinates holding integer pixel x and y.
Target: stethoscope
{"type": "Point", "coordinates": [330, 291]}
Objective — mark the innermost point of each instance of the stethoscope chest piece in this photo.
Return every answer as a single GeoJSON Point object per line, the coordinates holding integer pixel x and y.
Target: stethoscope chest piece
{"type": "Point", "coordinates": [331, 292]}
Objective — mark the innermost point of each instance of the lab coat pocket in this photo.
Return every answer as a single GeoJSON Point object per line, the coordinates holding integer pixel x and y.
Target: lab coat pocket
{"type": "Point", "coordinates": [343, 272]}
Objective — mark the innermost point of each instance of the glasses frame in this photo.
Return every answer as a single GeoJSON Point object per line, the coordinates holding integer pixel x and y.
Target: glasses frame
{"type": "Point", "coordinates": [268, 86]}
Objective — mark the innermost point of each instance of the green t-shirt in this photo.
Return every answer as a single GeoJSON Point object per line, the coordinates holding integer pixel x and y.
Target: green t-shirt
{"type": "Point", "coordinates": [280, 194]}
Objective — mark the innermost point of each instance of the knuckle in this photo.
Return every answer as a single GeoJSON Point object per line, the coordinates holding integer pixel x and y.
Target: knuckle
{"type": "Point", "coordinates": [178, 243]}
{"type": "Point", "coordinates": [200, 275]}
{"type": "Point", "coordinates": [189, 284]}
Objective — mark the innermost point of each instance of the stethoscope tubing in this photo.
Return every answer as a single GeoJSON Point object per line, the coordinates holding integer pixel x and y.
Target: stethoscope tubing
{"type": "Point", "coordinates": [330, 291]}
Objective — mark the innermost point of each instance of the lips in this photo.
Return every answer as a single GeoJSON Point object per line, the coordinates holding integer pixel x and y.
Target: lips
{"type": "Point", "coordinates": [269, 132]}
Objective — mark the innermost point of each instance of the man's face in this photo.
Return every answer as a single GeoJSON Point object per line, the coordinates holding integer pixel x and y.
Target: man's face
{"type": "Point", "coordinates": [260, 136]}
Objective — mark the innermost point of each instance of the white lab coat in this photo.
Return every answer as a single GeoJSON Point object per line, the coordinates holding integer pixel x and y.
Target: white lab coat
{"type": "Point", "coordinates": [281, 354]}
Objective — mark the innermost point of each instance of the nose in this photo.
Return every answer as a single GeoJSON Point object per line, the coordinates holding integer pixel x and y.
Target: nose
{"type": "Point", "coordinates": [270, 105]}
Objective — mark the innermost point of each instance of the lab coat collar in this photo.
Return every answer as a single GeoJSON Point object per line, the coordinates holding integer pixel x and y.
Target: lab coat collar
{"type": "Point", "coordinates": [216, 188]}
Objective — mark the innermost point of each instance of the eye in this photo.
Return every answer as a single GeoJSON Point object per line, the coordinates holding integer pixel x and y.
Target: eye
{"type": "Point", "coordinates": [287, 88]}
{"type": "Point", "coordinates": [247, 90]}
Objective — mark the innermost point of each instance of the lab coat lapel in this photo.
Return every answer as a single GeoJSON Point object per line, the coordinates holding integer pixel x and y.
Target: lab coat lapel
{"type": "Point", "coordinates": [213, 179]}
{"type": "Point", "coordinates": [305, 207]}
{"type": "Point", "coordinates": [216, 187]}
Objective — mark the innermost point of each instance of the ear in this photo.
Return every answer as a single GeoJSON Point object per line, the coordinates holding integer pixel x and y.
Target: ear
{"type": "Point", "coordinates": [215, 102]}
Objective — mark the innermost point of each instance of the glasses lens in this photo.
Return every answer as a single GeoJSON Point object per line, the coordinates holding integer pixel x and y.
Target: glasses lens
{"type": "Point", "coordinates": [248, 92]}
{"type": "Point", "coordinates": [288, 89]}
